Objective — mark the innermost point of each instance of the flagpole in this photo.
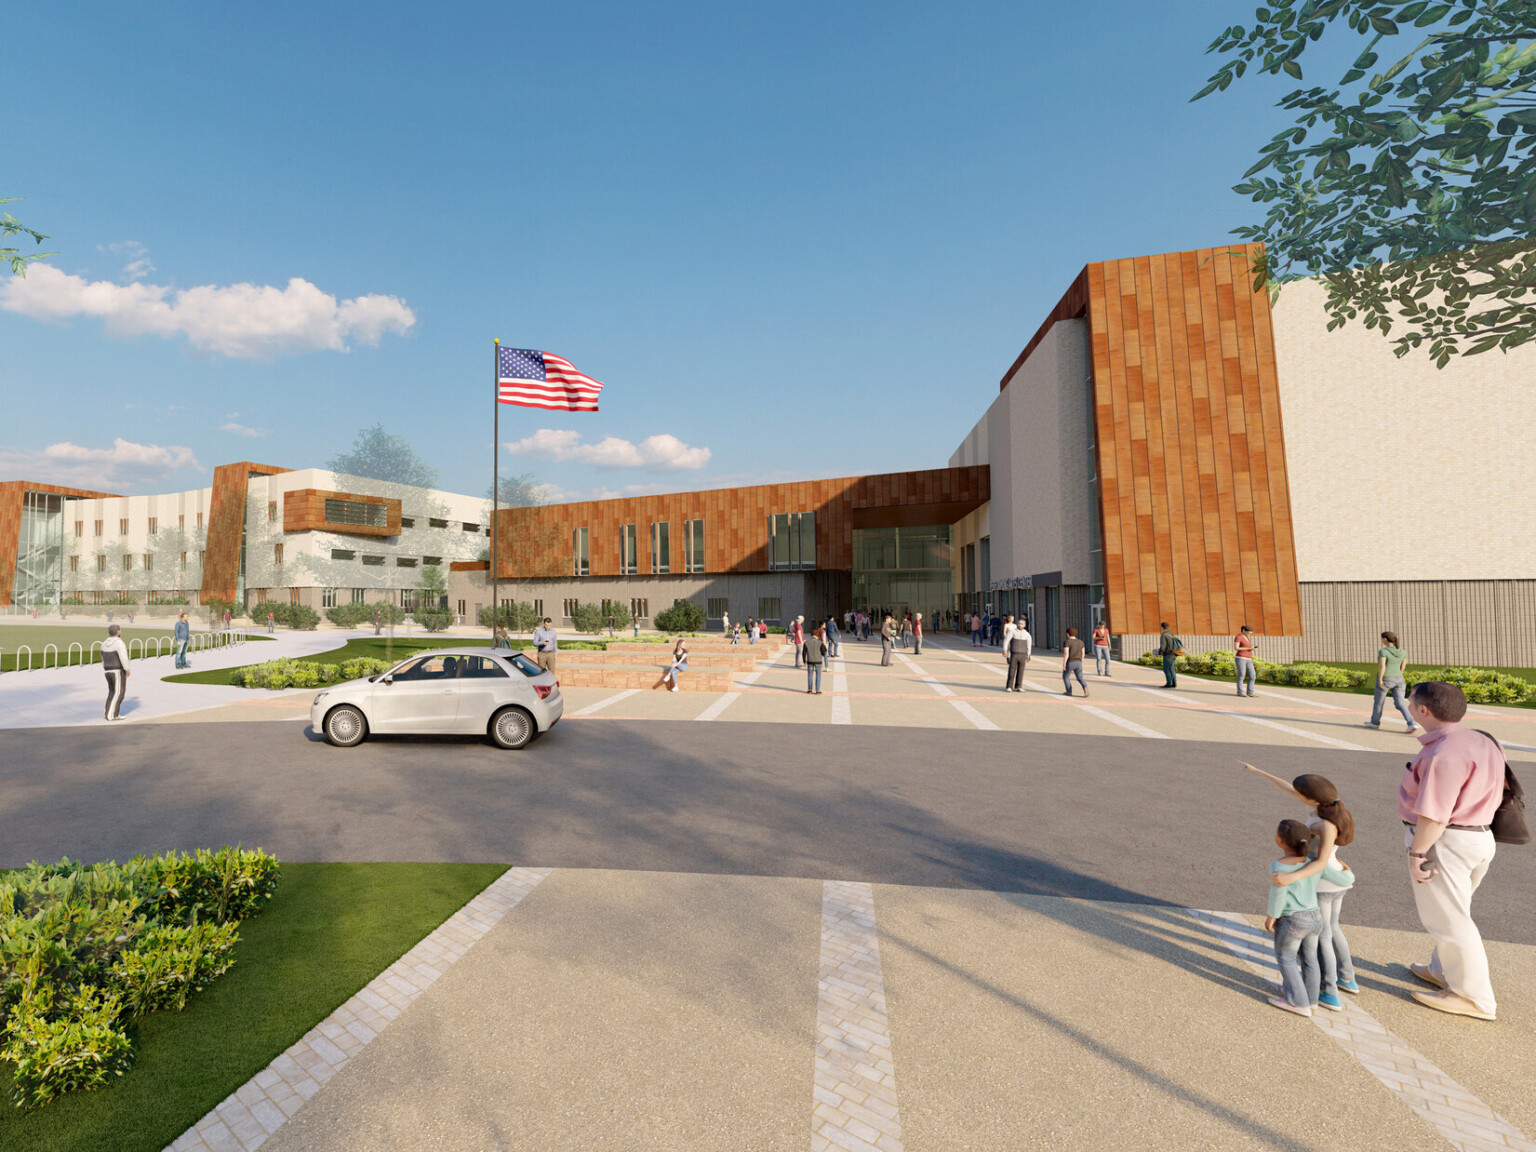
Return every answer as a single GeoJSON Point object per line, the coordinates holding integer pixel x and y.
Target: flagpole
{"type": "Point", "coordinates": [495, 481]}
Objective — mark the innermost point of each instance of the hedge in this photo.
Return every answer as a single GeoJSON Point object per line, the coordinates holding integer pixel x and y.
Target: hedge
{"type": "Point", "coordinates": [1302, 675]}
{"type": "Point", "coordinates": [298, 616]}
{"type": "Point", "coordinates": [684, 616]}
{"type": "Point", "coordinates": [433, 619]}
{"type": "Point", "coordinates": [287, 673]}
{"type": "Point", "coordinates": [363, 615]}
{"type": "Point", "coordinates": [87, 951]}
{"type": "Point", "coordinates": [517, 616]}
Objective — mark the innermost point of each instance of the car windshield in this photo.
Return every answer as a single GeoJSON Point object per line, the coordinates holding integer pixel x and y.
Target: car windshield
{"type": "Point", "coordinates": [524, 665]}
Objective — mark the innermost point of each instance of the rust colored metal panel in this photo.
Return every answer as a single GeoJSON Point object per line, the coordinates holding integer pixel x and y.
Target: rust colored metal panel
{"type": "Point", "coordinates": [1074, 303]}
{"type": "Point", "coordinates": [1173, 564]}
{"type": "Point", "coordinates": [1289, 594]}
{"type": "Point", "coordinates": [1129, 573]}
{"type": "Point", "coordinates": [12, 496]}
{"type": "Point", "coordinates": [1208, 542]}
{"type": "Point", "coordinates": [226, 517]}
{"type": "Point", "coordinates": [1228, 546]}
{"type": "Point", "coordinates": [1188, 479]}
{"type": "Point", "coordinates": [304, 511]}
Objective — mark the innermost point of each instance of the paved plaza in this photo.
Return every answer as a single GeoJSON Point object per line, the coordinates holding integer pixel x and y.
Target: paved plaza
{"type": "Point", "coordinates": [982, 920]}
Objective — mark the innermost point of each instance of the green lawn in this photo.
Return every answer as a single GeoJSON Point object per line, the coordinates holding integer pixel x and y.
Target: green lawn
{"type": "Point", "coordinates": [330, 929]}
{"type": "Point", "coordinates": [38, 636]}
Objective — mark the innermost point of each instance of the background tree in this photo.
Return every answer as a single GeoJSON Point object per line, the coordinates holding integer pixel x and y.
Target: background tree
{"type": "Point", "coordinates": [10, 226]}
{"type": "Point", "coordinates": [1414, 197]}
{"type": "Point", "coordinates": [378, 455]}
{"type": "Point", "coordinates": [433, 587]}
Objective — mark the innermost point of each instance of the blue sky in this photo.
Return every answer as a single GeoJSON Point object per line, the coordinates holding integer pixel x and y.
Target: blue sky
{"type": "Point", "coordinates": [808, 238]}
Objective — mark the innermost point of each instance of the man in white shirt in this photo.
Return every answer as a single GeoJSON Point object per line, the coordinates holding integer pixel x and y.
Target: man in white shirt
{"type": "Point", "coordinates": [114, 662]}
{"type": "Point", "coordinates": [1018, 647]}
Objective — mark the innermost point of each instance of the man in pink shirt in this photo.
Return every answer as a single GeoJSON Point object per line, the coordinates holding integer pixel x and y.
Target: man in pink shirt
{"type": "Point", "coordinates": [1447, 799]}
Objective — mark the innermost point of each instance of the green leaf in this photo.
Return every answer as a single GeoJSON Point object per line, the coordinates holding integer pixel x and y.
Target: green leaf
{"type": "Point", "coordinates": [1292, 68]}
{"type": "Point", "coordinates": [1383, 25]}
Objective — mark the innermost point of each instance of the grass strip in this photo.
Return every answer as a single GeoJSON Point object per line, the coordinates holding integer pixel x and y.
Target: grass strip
{"type": "Point", "coordinates": [329, 930]}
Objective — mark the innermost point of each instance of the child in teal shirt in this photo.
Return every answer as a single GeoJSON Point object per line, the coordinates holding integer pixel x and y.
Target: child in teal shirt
{"type": "Point", "coordinates": [1295, 920]}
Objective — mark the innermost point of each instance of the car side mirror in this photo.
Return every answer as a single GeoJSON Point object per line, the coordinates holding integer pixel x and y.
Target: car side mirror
{"type": "Point", "coordinates": [389, 679]}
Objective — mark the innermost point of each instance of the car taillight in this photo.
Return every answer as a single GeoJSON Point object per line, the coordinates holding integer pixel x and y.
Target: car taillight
{"type": "Point", "coordinates": [545, 689]}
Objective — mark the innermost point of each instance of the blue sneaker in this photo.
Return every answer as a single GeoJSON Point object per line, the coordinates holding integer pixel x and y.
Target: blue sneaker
{"type": "Point", "coordinates": [1351, 987]}
{"type": "Point", "coordinates": [1330, 1001]}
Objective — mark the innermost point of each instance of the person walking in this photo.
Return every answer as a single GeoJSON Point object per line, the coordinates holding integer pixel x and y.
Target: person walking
{"type": "Point", "coordinates": [1242, 651]}
{"type": "Point", "coordinates": [834, 637]}
{"type": "Point", "coordinates": [887, 639]}
{"type": "Point", "coordinates": [815, 657]}
{"type": "Point", "coordinates": [917, 634]}
{"type": "Point", "coordinates": [546, 645]}
{"type": "Point", "coordinates": [182, 638]}
{"type": "Point", "coordinates": [1072, 652]}
{"type": "Point", "coordinates": [975, 630]}
{"type": "Point", "coordinates": [114, 662]}
{"type": "Point", "coordinates": [797, 638]}
{"type": "Point", "coordinates": [1020, 642]}
{"type": "Point", "coordinates": [1447, 799]}
{"type": "Point", "coordinates": [751, 631]}
{"type": "Point", "coordinates": [1168, 647]}
{"type": "Point", "coordinates": [271, 623]}
{"type": "Point", "coordinates": [906, 629]}
{"type": "Point", "coordinates": [1101, 649]}
{"type": "Point", "coordinates": [1391, 665]}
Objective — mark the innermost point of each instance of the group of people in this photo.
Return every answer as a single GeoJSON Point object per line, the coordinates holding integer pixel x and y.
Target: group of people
{"type": "Point", "coordinates": [754, 629]}
{"type": "Point", "coordinates": [1446, 800]}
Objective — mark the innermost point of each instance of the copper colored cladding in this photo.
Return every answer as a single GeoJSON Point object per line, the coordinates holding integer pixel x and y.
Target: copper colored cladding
{"type": "Point", "coordinates": [535, 543]}
{"type": "Point", "coordinates": [469, 565]}
{"type": "Point", "coordinates": [226, 516]}
{"type": "Point", "coordinates": [304, 511]}
{"type": "Point", "coordinates": [1194, 499]}
{"type": "Point", "coordinates": [11, 498]}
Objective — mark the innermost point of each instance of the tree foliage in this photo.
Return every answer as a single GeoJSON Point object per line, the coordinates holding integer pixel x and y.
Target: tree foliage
{"type": "Point", "coordinates": [1413, 197]}
{"type": "Point", "coordinates": [10, 226]}
{"type": "Point", "coordinates": [379, 455]}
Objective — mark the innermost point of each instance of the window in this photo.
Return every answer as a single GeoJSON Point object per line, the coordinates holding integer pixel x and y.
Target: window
{"type": "Point", "coordinates": [716, 607]}
{"type": "Point", "coordinates": [181, 523]}
{"type": "Point", "coordinates": [661, 547]}
{"type": "Point", "coordinates": [183, 561]}
{"type": "Point", "coordinates": [405, 561]}
{"type": "Point", "coordinates": [122, 527]}
{"type": "Point", "coordinates": [538, 609]}
{"type": "Point", "coordinates": [581, 562]}
{"type": "Point", "coordinates": [432, 561]}
{"type": "Point", "coordinates": [356, 512]}
{"type": "Point", "coordinates": [79, 529]}
{"type": "Point", "coordinates": [461, 609]}
{"type": "Point", "coordinates": [792, 542]}
{"type": "Point", "coordinates": [471, 527]}
{"type": "Point", "coordinates": [343, 554]}
{"type": "Point", "coordinates": [127, 563]}
{"type": "Point", "coordinates": [149, 562]}
{"type": "Point", "coordinates": [428, 668]}
{"type": "Point", "coordinates": [277, 555]}
{"type": "Point", "coordinates": [199, 519]}
{"type": "Point", "coordinates": [436, 523]}
{"type": "Point", "coordinates": [693, 545]}
{"type": "Point", "coordinates": [571, 605]}
{"type": "Point", "coordinates": [202, 558]}
{"type": "Point", "coordinates": [640, 608]}
{"type": "Point", "coordinates": [101, 562]}
{"type": "Point", "coordinates": [271, 511]}
{"type": "Point", "coordinates": [629, 547]}
{"type": "Point", "coordinates": [768, 608]}
{"type": "Point", "coordinates": [154, 525]}
{"type": "Point", "coordinates": [373, 561]}
{"type": "Point", "coordinates": [407, 522]}
{"type": "Point", "coordinates": [359, 595]}
{"type": "Point", "coordinates": [328, 597]}
{"type": "Point", "coordinates": [98, 528]}
{"type": "Point", "coordinates": [480, 668]}
{"type": "Point", "coordinates": [74, 563]}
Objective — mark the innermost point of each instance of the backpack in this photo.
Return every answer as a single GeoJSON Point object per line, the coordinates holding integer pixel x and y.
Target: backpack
{"type": "Point", "coordinates": [1509, 824]}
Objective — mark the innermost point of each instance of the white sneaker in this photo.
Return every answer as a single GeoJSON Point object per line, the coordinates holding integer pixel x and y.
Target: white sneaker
{"type": "Point", "coordinates": [673, 688]}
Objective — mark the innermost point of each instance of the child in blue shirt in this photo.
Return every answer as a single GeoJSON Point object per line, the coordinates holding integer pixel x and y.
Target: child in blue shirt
{"type": "Point", "coordinates": [1295, 920]}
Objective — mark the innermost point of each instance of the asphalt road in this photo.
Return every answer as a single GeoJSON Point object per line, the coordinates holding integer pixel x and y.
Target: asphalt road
{"type": "Point", "coordinates": [1062, 815]}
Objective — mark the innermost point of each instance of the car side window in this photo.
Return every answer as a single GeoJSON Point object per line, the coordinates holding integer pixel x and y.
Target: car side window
{"type": "Point", "coordinates": [526, 666]}
{"type": "Point", "coordinates": [480, 668]}
{"type": "Point", "coordinates": [426, 668]}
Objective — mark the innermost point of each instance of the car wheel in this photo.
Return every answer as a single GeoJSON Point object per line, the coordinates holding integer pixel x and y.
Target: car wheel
{"type": "Point", "coordinates": [345, 726]}
{"type": "Point", "coordinates": [513, 728]}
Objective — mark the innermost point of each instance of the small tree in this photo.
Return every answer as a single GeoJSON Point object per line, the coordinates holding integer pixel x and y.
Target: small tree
{"type": "Point", "coordinates": [433, 586]}
{"type": "Point", "coordinates": [518, 616]}
{"type": "Point", "coordinates": [684, 616]}
{"type": "Point", "coordinates": [589, 618]}
{"type": "Point", "coordinates": [618, 612]}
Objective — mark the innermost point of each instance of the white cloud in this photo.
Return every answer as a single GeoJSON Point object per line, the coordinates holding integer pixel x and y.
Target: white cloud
{"type": "Point", "coordinates": [138, 264]}
{"type": "Point", "coordinates": [242, 430]}
{"type": "Point", "coordinates": [235, 320]}
{"type": "Point", "coordinates": [120, 467]}
{"type": "Point", "coordinates": [660, 453]}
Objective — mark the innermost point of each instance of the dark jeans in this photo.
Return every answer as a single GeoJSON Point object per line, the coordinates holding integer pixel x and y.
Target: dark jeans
{"type": "Point", "coordinates": [1296, 938]}
{"type": "Point", "coordinates": [1073, 668]}
{"type": "Point", "coordinates": [1170, 677]}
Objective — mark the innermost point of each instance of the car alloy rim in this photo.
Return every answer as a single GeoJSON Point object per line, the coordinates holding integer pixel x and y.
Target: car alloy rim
{"type": "Point", "coordinates": [343, 726]}
{"type": "Point", "coordinates": [513, 726]}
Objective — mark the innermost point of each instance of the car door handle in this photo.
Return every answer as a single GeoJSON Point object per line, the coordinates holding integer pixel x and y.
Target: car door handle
{"type": "Point", "coordinates": [448, 691]}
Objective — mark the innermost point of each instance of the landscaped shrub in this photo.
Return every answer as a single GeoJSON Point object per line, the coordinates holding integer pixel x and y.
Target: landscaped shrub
{"type": "Point", "coordinates": [1481, 685]}
{"type": "Point", "coordinates": [589, 618]}
{"type": "Point", "coordinates": [433, 619]}
{"type": "Point", "coordinates": [1303, 675]}
{"type": "Point", "coordinates": [298, 616]}
{"type": "Point", "coordinates": [290, 673]}
{"type": "Point", "coordinates": [684, 616]}
{"type": "Point", "coordinates": [85, 951]}
{"type": "Point", "coordinates": [517, 616]}
{"type": "Point", "coordinates": [363, 615]}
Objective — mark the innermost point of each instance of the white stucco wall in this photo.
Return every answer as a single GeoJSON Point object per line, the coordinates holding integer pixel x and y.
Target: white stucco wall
{"type": "Point", "coordinates": [1399, 470]}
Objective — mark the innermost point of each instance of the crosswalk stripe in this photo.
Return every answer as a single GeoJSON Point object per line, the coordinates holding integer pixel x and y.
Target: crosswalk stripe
{"type": "Point", "coordinates": [963, 707]}
{"type": "Point", "coordinates": [842, 709]}
{"type": "Point", "coordinates": [1302, 732]}
{"type": "Point", "coordinates": [1464, 1120]}
{"type": "Point", "coordinates": [607, 700]}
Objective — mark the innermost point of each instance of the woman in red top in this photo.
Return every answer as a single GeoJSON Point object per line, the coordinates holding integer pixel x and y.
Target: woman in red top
{"type": "Point", "coordinates": [1101, 649]}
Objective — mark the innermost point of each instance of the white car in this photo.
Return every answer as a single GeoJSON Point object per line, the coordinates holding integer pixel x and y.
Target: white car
{"type": "Point", "coordinates": [466, 691]}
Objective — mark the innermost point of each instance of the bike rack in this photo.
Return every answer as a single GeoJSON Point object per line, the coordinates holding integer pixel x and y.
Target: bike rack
{"type": "Point", "coordinates": [95, 651]}
{"type": "Point", "coordinates": [55, 648]}
{"type": "Point", "coordinates": [71, 655]}
{"type": "Point", "coordinates": [131, 643]}
{"type": "Point", "coordinates": [19, 647]}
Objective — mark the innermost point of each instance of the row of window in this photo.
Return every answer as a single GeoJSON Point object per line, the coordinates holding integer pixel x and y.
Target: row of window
{"type": "Point", "coordinates": [376, 561]}
{"type": "Point", "coordinates": [122, 526]}
{"type": "Point", "coordinates": [128, 561]}
{"type": "Point", "coordinates": [629, 559]}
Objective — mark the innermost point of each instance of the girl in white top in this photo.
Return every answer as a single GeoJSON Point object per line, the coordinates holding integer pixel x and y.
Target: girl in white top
{"type": "Point", "coordinates": [1332, 828]}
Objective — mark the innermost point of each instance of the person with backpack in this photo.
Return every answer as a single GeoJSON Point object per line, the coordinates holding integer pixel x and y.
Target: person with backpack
{"type": "Point", "coordinates": [1447, 800]}
{"type": "Point", "coordinates": [815, 657]}
{"type": "Point", "coordinates": [1169, 647]}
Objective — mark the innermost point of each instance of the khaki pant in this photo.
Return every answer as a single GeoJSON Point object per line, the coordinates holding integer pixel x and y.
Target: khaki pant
{"type": "Point", "coordinates": [546, 660]}
{"type": "Point", "coordinates": [1445, 909]}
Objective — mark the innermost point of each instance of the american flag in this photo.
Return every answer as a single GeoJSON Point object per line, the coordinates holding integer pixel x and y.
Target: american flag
{"type": "Point", "coordinates": [532, 379]}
